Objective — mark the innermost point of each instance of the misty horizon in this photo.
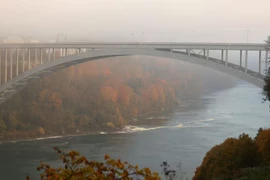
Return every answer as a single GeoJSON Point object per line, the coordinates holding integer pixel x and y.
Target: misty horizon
{"type": "Point", "coordinates": [137, 21]}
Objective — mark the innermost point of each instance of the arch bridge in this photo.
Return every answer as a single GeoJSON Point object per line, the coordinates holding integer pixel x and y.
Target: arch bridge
{"type": "Point", "coordinates": [20, 63]}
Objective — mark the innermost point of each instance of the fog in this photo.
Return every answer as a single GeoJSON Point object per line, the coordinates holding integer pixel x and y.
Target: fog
{"type": "Point", "coordinates": [137, 20]}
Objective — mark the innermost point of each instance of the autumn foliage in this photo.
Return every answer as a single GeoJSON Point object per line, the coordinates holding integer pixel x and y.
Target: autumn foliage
{"type": "Point", "coordinates": [95, 96]}
{"type": "Point", "coordinates": [230, 159]}
{"type": "Point", "coordinates": [77, 167]}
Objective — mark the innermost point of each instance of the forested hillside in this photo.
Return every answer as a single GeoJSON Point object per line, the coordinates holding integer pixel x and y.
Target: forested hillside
{"type": "Point", "coordinates": [100, 95]}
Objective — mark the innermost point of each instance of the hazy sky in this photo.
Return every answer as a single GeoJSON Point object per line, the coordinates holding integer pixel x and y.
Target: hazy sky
{"type": "Point", "coordinates": [137, 20]}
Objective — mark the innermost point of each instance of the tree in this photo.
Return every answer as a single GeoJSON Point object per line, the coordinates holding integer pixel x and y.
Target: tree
{"type": "Point", "coordinates": [266, 87]}
{"type": "Point", "coordinates": [267, 44]}
{"type": "Point", "coordinates": [224, 160]}
{"type": "Point", "coordinates": [263, 145]}
{"type": "Point", "coordinates": [77, 167]}
{"type": "Point", "coordinates": [3, 126]}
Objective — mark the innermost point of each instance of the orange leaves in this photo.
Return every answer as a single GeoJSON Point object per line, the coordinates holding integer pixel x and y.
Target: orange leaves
{"type": "Point", "coordinates": [41, 131]}
{"type": "Point", "coordinates": [121, 94]}
{"type": "Point", "coordinates": [77, 167]}
{"type": "Point", "coordinates": [106, 71]}
{"type": "Point", "coordinates": [106, 157]}
{"type": "Point", "coordinates": [135, 112]}
{"type": "Point", "coordinates": [109, 93]}
{"type": "Point", "coordinates": [52, 99]}
{"type": "Point", "coordinates": [147, 170]}
{"type": "Point", "coordinates": [125, 93]}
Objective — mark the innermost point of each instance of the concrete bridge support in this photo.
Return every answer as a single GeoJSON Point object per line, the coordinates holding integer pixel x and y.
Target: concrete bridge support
{"type": "Point", "coordinates": [241, 57]}
{"type": "Point", "coordinates": [260, 61]}
{"type": "Point", "coordinates": [222, 55]}
{"type": "Point", "coordinates": [40, 50]}
{"type": "Point", "coordinates": [6, 56]}
{"type": "Point", "coordinates": [246, 61]}
{"type": "Point", "coordinates": [10, 64]}
{"type": "Point", "coordinates": [227, 56]}
{"type": "Point", "coordinates": [29, 59]}
{"type": "Point", "coordinates": [23, 60]}
{"type": "Point", "coordinates": [53, 54]}
{"type": "Point", "coordinates": [17, 62]}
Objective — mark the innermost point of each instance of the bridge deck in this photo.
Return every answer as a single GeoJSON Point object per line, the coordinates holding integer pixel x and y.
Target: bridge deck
{"type": "Point", "coordinates": [170, 45]}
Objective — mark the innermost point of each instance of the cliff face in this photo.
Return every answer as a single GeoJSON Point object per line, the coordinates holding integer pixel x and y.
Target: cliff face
{"type": "Point", "coordinates": [98, 95]}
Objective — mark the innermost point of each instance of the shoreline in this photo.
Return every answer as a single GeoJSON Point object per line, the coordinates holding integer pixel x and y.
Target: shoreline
{"type": "Point", "coordinates": [56, 136]}
{"type": "Point", "coordinates": [100, 132]}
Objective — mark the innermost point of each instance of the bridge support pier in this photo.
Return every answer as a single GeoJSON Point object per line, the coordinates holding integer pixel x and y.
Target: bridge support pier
{"type": "Point", "coordinates": [246, 61]}
{"type": "Point", "coordinates": [29, 59]}
{"type": "Point", "coordinates": [204, 52]}
{"type": "Point", "coordinates": [17, 62]}
{"type": "Point", "coordinates": [6, 57]}
{"type": "Point", "coordinates": [241, 57]}
{"type": "Point", "coordinates": [41, 56]}
{"type": "Point", "coordinates": [222, 55]}
{"type": "Point", "coordinates": [11, 64]}
{"type": "Point", "coordinates": [227, 56]}
{"type": "Point", "coordinates": [260, 61]}
{"type": "Point", "coordinates": [23, 59]}
{"type": "Point", "coordinates": [189, 52]}
{"type": "Point", "coordinates": [49, 54]}
{"type": "Point", "coordinates": [207, 53]}
{"type": "Point", "coordinates": [53, 51]}
{"type": "Point", "coordinates": [36, 60]}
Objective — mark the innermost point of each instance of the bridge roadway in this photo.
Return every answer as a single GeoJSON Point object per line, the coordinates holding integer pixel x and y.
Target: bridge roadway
{"type": "Point", "coordinates": [19, 76]}
{"type": "Point", "coordinates": [144, 45]}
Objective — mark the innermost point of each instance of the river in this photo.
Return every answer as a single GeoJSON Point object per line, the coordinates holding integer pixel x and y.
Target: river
{"type": "Point", "coordinates": [186, 137]}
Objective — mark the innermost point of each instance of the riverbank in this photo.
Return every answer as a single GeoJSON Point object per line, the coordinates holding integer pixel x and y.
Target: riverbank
{"type": "Point", "coordinates": [148, 118]}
